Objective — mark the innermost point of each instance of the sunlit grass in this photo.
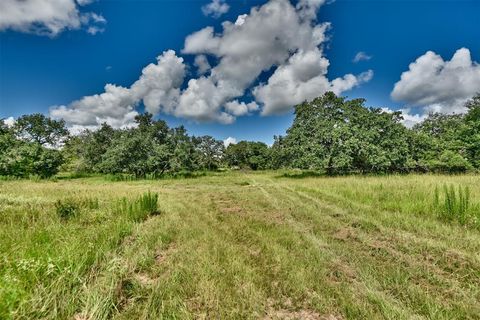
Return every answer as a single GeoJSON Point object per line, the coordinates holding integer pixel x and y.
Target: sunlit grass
{"type": "Point", "coordinates": [242, 246]}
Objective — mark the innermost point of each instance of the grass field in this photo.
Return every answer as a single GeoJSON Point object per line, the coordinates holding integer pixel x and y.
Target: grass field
{"type": "Point", "coordinates": [239, 246]}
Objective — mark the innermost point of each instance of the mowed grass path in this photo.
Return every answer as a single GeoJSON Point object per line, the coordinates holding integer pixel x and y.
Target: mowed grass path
{"type": "Point", "coordinates": [239, 246]}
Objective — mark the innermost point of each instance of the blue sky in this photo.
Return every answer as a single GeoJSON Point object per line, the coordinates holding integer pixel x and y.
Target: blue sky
{"type": "Point", "coordinates": [40, 71]}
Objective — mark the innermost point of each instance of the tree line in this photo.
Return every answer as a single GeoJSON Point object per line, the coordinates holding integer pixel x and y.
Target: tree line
{"type": "Point", "coordinates": [329, 134]}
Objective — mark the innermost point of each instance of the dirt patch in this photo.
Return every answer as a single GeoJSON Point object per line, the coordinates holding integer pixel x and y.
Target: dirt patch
{"type": "Point", "coordinates": [455, 261]}
{"type": "Point", "coordinates": [303, 314]}
{"type": "Point", "coordinates": [233, 209]}
{"type": "Point", "coordinates": [123, 293]}
{"type": "Point", "coordinates": [345, 234]}
{"type": "Point", "coordinates": [128, 241]}
{"type": "Point", "coordinates": [288, 312]}
{"type": "Point", "coordinates": [340, 271]}
{"type": "Point", "coordinates": [145, 279]}
{"type": "Point", "coordinates": [162, 254]}
{"type": "Point", "coordinates": [226, 205]}
{"type": "Point", "coordinates": [255, 252]}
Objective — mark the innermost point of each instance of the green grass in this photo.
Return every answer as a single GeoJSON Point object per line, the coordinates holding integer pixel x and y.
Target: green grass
{"type": "Point", "coordinates": [270, 245]}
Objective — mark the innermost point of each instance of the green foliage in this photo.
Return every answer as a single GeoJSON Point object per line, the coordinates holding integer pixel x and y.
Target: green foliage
{"type": "Point", "coordinates": [438, 145]}
{"type": "Point", "coordinates": [27, 148]}
{"type": "Point", "coordinates": [150, 150]}
{"type": "Point", "coordinates": [247, 154]}
{"type": "Point", "coordinates": [454, 162]}
{"type": "Point", "coordinates": [470, 134]}
{"type": "Point", "coordinates": [40, 129]}
{"type": "Point", "coordinates": [337, 136]}
{"type": "Point", "coordinates": [329, 135]}
{"type": "Point", "coordinates": [209, 152]}
{"type": "Point", "coordinates": [67, 209]}
{"type": "Point", "coordinates": [23, 159]}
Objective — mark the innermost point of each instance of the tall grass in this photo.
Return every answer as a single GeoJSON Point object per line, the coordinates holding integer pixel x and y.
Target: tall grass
{"type": "Point", "coordinates": [455, 205]}
{"type": "Point", "coordinates": [140, 208]}
{"type": "Point", "coordinates": [241, 245]}
{"type": "Point", "coordinates": [66, 209]}
{"type": "Point", "coordinates": [122, 177]}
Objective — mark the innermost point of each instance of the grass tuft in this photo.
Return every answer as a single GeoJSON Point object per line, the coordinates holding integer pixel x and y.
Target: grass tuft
{"type": "Point", "coordinates": [456, 204]}
{"type": "Point", "coordinates": [67, 209]}
{"type": "Point", "coordinates": [141, 208]}
{"type": "Point", "coordinates": [148, 203]}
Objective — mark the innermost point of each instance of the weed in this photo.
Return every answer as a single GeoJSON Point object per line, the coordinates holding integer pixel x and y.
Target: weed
{"type": "Point", "coordinates": [66, 209]}
{"type": "Point", "coordinates": [456, 204]}
{"type": "Point", "coordinates": [139, 209]}
{"type": "Point", "coordinates": [148, 203]}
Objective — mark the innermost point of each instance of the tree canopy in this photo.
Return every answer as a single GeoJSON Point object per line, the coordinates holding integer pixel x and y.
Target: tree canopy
{"type": "Point", "coordinates": [329, 134]}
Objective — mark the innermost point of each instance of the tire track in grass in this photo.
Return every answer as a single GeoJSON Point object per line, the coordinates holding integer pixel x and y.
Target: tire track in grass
{"type": "Point", "coordinates": [202, 253]}
{"type": "Point", "coordinates": [296, 225]}
{"type": "Point", "coordinates": [397, 255]}
{"type": "Point", "coordinates": [259, 261]}
{"type": "Point", "coordinates": [387, 216]}
{"type": "Point", "coordinates": [392, 305]}
{"type": "Point", "coordinates": [438, 246]}
{"type": "Point", "coordinates": [113, 289]}
{"type": "Point", "coordinates": [273, 251]}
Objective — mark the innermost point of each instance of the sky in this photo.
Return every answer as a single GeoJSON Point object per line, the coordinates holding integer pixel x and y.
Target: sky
{"type": "Point", "coordinates": [233, 68]}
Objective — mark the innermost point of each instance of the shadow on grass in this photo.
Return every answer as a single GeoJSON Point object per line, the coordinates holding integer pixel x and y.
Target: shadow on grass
{"type": "Point", "coordinates": [301, 174]}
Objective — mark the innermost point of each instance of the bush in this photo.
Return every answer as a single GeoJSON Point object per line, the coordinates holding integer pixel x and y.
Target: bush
{"type": "Point", "coordinates": [449, 162]}
{"type": "Point", "coordinates": [66, 209]}
{"type": "Point", "coordinates": [454, 163]}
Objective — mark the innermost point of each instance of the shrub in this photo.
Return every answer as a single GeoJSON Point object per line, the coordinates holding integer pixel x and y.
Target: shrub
{"type": "Point", "coordinates": [66, 209]}
{"type": "Point", "coordinates": [449, 162]}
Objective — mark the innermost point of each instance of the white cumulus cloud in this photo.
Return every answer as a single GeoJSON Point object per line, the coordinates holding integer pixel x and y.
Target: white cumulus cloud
{"type": "Point", "coordinates": [409, 119]}
{"type": "Point", "coordinates": [437, 85]}
{"type": "Point", "coordinates": [240, 108]}
{"type": "Point", "coordinates": [255, 43]}
{"type": "Point", "coordinates": [229, 141]}
{"type": "Point", "coordinates": [216, 8]}
{"type": "Point", "coordinates": [202, 64]}
{"type": "Point", "coordinates": [302, 78]}
{"type": "Point", "coordinates": [157, 87]}
{"type": "Point", "coordinates": [276, 37]}
{"type": "Point", "coordinates": [48, 17]}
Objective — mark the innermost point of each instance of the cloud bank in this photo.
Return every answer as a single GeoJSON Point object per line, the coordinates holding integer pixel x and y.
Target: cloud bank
{"type": "Point", "coordinates": [277, 37]}
{"type": "Point", "coordinates": [48, 17]}
{"type": "Point", "coordinates": [157, 87]}
{"type": "Point", "coordinates": [437, 85]}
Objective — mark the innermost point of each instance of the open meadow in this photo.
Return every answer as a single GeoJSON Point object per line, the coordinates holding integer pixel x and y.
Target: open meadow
{"type": "Point", "coordinates": [241, 245]}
